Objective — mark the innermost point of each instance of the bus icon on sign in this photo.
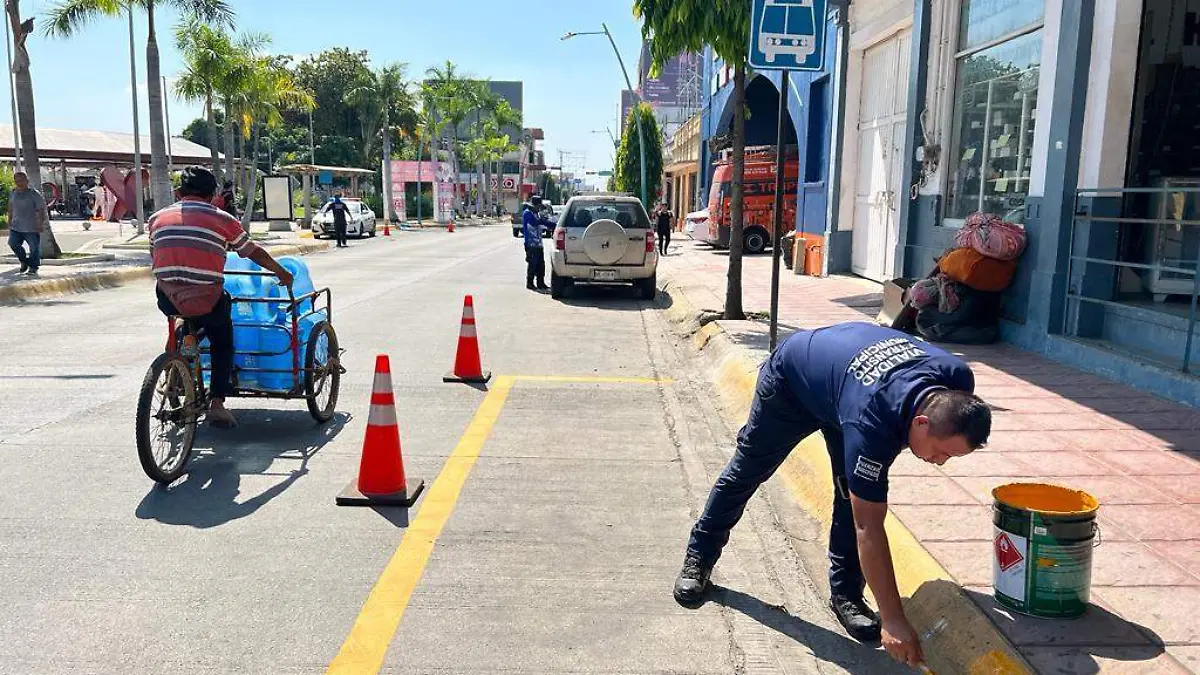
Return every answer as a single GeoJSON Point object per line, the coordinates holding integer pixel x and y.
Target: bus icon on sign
{"type": "Point", "coordinates": [787, 27]}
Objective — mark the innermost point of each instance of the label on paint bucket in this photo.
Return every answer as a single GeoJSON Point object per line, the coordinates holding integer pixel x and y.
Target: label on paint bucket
{"type": "Point", "coordinates": [1008, 564]}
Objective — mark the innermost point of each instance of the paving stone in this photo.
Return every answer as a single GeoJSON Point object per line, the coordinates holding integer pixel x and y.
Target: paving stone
{"type": "Point", "coordinates": [1155, 521]}
{"type": "Point", "coordinates": [1119, 563]}
{"type": "Point", "coordinates": [1170, 613]}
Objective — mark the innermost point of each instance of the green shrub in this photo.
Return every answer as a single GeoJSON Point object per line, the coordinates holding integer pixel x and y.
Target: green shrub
{"type": "Point", "coordinates": [6, 186]}
{"type": "Point", "coordinates": [375, 203]}
{"type": "Point", "coordinates": [4, 216]}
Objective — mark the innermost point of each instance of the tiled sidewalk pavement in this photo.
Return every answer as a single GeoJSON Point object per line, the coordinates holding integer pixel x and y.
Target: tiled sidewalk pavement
{"type": "Point", "coordinates": [1137, 453]}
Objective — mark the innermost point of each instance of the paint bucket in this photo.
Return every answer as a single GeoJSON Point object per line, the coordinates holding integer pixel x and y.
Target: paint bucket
{"type": "Point", "coordinates": [1042, 549]}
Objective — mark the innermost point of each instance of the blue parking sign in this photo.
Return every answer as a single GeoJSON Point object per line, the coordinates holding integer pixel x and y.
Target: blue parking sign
{"type": "Point", "coordinates": [787, 34]}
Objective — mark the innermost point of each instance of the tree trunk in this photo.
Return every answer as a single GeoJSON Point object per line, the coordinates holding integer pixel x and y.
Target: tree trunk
{"type": "Point", "coordinates": [211, 118]}
{"type": "Point", "coordinates": [487, 187]}
{"type": "Point", "coordinates": [252, 181]}
{"type": "Point", "coordinates": [26, 119]}
{"type": "Point", "coordinates": [229, 174]}
{"type": "Point", "coordinates": [389, 211]}
{"type": "Point", "coordinates": [733, 290]}
{"type": "Point", "coordinates": [160, 174]}
{"type": "Point", "coordinates": [240, 161]}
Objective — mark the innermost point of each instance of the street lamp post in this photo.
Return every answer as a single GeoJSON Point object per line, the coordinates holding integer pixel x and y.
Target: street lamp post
{"type": "Point", "coordinates": [637, 112]}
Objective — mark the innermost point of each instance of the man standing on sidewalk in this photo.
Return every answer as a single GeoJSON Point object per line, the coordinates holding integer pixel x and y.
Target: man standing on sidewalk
{"type": "Point", "coordinates": [27, 218]}
{"type": "Point", "coordinates": [535, 256]}
{"type": "Point", "coordinates": [340, 213]}
{"type": "Point", "coordinates": [871, 391]}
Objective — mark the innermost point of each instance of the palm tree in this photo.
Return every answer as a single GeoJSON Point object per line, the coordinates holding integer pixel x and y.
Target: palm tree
{"type": "Point", "coordinates": [270, 90]}
{"type": "Point", "coordinates": [381, 96]}
{"type": "Point", "coordinates": [26, 117]}
{"type": "Point", "coordinates": [231, 88]}
{"type": "Point", "coordinates": [449, 96]}
{"type": "Point", "coordinates": [207, 55]}
{"type": "Point", "coordinates": [70, 16]}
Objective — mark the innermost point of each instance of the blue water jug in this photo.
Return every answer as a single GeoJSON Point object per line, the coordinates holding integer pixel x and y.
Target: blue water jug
{"type": "Point", "coordinates": [302, 283]}
{"type": "Point", "coordinates": [247, 321]}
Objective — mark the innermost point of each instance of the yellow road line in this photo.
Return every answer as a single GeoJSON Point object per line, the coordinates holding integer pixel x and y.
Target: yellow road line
{"type": "Point", "coordinates": [367, 644]}
{"type": "Point", "coordinates": [570, 379]}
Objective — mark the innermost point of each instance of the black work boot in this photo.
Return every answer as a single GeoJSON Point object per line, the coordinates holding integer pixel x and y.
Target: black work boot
{"type": "Point", "coordinates": [859, 620]}
{"type": "Point", "coordinates": [530, 286]}
{"type": "Point", "coordinates": [692, 582]}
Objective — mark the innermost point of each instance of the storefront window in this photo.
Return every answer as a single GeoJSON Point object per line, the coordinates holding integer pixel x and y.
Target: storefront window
{"type": "Point", "coordinates": [995, 108]}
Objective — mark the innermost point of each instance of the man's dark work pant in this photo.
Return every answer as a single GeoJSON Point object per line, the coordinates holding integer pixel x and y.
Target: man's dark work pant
{"type": "Point", "coordinates": [664, 241]}
{"type": "Point", "coordinates": [218, 328]}
{"type": "Point", "coordinates": [778, 422]}
{"type": "Point", "coordinates": [341, 233]}
{"type": "Point", "coordinates": [535, 265]}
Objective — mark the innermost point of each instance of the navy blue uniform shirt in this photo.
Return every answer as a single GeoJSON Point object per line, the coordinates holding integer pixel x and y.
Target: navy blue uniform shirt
{"type": "Point", "coordinates": [867, 381]}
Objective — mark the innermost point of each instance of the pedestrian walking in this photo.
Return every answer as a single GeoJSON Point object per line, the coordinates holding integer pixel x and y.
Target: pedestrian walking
{"type": "Point", "coordinates": [340, 214]}
{"type": "Point", "coordinates": [27, 219]}
{"type": "Point", "coordinates": [226, 200]}
{"type": "Point", "coordinates": [663, 220]}
{"type": "Point", "coordinates": [871, 391]}
{"type": "Point", "coordinates": [532, 221]}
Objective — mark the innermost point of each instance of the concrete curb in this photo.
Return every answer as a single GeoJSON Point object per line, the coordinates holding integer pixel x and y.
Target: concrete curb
{"type": "Point", "coordinates": [971, 643]}
{"type": "Point", "coordinates": [99, 280]}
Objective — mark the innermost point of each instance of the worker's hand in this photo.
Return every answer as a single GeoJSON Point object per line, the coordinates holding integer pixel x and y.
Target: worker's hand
{"type": "Point", "coordinates": [902, 643]}
{"type": "Point", "coordinates": [285, 277]}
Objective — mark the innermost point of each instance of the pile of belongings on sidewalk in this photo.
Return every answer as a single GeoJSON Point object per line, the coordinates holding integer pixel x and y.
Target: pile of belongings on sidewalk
{"type": "Point", "coordinates": [960, 299]}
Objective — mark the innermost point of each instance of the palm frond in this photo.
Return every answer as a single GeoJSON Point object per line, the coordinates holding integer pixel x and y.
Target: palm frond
{"type": "Point", "coordinates": [71, 16]}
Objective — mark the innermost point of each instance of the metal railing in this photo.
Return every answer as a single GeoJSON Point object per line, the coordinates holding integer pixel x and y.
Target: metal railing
{"type": "Point", "coordinates": [1162, 276]}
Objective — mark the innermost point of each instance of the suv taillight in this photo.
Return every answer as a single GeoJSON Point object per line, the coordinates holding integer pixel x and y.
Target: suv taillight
{"type": "Point", "coordinates": [649, 241]}
{"type": "Point", "coordinates": [560, 239]}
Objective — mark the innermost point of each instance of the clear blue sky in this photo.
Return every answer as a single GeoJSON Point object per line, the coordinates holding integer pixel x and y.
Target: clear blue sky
{"type": "Point", "coordinates": [571, 88]}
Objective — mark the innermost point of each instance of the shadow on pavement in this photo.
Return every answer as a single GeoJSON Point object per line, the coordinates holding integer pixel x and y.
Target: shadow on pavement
{"type": "Point", "coordinates": [1072, 645]}
{"type": "Point", "coordinates": [615, 297]}
{"type": "Point", "coordinates": [208, 495]}
{"type": "Point", "coordinates": [826, 645]}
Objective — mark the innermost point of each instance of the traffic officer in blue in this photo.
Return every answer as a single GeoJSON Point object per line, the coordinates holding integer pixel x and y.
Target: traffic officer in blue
{"type": "Point", "coordinates": [871, 391]}
{"type": "Point", "coordinates": [535, 257]}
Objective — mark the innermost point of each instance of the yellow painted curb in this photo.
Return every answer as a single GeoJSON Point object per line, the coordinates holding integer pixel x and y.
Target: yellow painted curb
{"type": "Point", "coordinates": [971, 644]}
{"type": "Point", "coordinates": [95, 281]}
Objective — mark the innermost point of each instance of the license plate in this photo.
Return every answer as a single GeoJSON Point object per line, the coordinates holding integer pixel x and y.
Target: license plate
{"type": "Point", "coordinates": [604, 275]}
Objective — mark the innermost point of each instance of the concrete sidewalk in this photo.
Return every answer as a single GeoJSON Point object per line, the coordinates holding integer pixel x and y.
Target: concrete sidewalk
{"type": "Point", "coordinates": [1137, 453]}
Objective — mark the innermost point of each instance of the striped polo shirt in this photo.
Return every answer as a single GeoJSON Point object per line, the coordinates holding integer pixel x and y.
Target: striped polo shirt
{"type": "Point", "coordinates": [188, 240]}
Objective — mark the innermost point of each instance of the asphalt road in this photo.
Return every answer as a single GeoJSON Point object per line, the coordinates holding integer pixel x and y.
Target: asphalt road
{"type": "Point", "coordinates": [559, 502]}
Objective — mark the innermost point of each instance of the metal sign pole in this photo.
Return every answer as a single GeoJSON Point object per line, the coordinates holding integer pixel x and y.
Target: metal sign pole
{"type": "Point", "coordinates": [778, 224]}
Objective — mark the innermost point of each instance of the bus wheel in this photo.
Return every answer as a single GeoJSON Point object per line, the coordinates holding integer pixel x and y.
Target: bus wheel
{"type": "Point", "coordinates": [754, 241]}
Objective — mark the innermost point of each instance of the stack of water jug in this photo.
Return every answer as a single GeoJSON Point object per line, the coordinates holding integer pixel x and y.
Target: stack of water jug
{"type": "Point", "coordinates": [267, 326]}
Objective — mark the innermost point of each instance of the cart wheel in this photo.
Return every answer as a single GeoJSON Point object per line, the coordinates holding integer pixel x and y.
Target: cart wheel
{"type": "Point", "coordinates": [167, 414]}
{"type": "Point", "coordinates": [322, 372]}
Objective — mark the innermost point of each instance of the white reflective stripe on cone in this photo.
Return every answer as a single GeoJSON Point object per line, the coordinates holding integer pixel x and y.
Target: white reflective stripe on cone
{"type": "Point", "coordinates": [468, 330]}
{"type": "Point", "coordinates": [383, 383]}
{"type": "Point", "coordinates": [469, 312]}
{"type": "Point", "coordinates": [382, 416]}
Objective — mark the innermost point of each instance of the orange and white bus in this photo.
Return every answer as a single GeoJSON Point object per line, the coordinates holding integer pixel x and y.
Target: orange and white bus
{"type": "Point", "coordinates": [759, 213]}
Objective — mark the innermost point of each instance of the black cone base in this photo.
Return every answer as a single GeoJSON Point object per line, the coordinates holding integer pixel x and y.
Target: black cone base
{"type": "Point", "coordinates": [407, 497]}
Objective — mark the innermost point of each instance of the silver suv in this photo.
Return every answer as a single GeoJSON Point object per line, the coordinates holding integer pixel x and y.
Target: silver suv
{"type": "Point", "coordinates": [604, 239]}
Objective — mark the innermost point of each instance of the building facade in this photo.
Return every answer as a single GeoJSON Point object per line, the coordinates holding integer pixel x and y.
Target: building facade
{"type": "Point", "coordinates": [1077, 119]}
{"type": "Point", "coordinates": [808, 127]}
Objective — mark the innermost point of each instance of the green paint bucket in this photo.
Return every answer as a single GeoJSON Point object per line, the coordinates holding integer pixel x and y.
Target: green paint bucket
{"type": "Point", "coordinates": [1042, 549]}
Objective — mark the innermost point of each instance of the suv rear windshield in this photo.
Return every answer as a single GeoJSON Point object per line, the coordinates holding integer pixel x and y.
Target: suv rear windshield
{"type": "Point", "coordinates": [630, 215]}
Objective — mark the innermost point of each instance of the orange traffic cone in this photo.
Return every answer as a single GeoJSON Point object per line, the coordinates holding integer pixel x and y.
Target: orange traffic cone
{"type": "Point", "coordinates": [467, 366]}
{"type": "Point", "coordinates": [387, 230]}
{"type": "Point", "coordinates": [450, 226]}
{"type": "Point", "coordinates": [381, 480]}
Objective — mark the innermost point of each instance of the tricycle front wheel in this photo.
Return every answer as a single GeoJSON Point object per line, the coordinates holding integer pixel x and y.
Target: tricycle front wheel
{"type": "Point", "coordinates": [322, 372]}
{"type": "Point", "coordinates": [167, 413]}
